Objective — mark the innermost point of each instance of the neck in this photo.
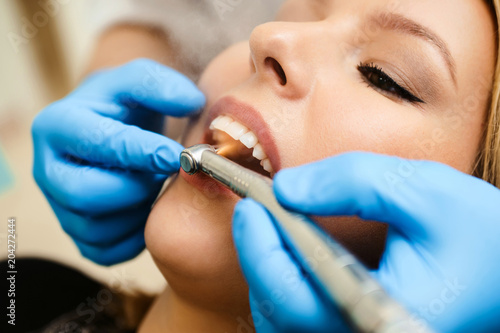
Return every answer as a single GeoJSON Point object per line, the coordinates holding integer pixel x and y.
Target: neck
{"type": "Point", "coordinates": [170, 313]}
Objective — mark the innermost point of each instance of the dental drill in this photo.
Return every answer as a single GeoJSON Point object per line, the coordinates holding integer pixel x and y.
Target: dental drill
{"type": "Point", "coordinates": [343, 279]}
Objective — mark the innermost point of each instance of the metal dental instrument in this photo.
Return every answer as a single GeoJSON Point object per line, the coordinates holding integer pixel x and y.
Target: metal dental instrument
{"type": "Point", "coordinates": [363, 302]}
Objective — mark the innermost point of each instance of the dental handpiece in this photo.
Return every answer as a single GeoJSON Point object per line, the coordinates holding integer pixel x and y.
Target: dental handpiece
{"type": "Point", "coordinates": [344, 280]}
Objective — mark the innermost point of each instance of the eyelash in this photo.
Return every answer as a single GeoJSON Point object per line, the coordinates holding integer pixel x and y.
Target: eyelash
{"type": "Point", "coordinates": [378, 79]}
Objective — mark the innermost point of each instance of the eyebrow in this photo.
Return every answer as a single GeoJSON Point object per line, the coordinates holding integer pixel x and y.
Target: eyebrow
{"type": "Point", "coordinates": [400, 23]}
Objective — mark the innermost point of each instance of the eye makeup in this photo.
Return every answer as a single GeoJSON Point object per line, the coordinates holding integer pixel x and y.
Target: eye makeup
{"type": "Point", "coordinates": [376, 77]}
{"type": "Point", "coordinates": [399, 67]}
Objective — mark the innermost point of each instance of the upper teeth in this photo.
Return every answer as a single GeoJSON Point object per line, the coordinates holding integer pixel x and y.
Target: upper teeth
{"type": "Point", "coordinates": [240, 132]}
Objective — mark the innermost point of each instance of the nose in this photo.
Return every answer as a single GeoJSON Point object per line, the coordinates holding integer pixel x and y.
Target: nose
{"type": "Point", "coordinates": [281, 58]}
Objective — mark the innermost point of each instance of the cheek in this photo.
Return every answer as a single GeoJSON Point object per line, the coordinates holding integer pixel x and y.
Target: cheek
{"type": "Point", "coordinates": [352, 121]}
{"type": "Point", "coordinates": [226, 71]}
{"type": "Point", "coordinates": [357, 131]}
{"type": "Point", "coordinates": [344, 122]}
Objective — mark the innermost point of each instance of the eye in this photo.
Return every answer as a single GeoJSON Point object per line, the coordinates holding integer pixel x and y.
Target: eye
{"type": "Point", "coordinates": [377, 78]}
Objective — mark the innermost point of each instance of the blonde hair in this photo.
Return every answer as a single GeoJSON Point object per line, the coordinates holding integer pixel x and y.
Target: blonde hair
{"type": "Point", "coordinates": [488, 166]}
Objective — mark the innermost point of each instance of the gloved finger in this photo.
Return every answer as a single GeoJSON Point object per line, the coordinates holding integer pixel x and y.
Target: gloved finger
{"type": "Point", "coordinates": [401, 255]}
{"type": "Point", "coordinates": [260, 322]}
{"type": "Point", "coordinates": [147, 83]}
{"type": "Point", "coordinates": [374, 187]}
{"type": "Point", "coordinates": [284, 295]}
{"type": "Point", "coordinates": [140, 116]}
{"type": "Point", "coordinates": [94, 191]}
{"type": "Point", "coordinates": [117, 253]}
{"type": "Point", "coordinates": [114, 145]}
{"type": "Point", "coordinates": [102, 231]}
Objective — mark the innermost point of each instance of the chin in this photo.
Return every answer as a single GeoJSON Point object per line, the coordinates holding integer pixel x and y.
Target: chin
{"type": "Point", "coordinates": [189, 237]}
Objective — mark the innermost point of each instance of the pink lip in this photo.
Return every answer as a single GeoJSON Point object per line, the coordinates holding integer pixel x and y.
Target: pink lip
{"type": "Point", "coordinates": [247, 115]}
{"type": "Point", "coordinates": [208, 186]}
{"type": "Point", "coordinates": [251, 118]}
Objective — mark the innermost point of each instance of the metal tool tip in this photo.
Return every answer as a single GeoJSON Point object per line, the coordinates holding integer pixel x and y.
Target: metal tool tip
{"type": "Point", "coordinates": [188, 164]}
{"type": "Point", "coordinates": [190, 158]}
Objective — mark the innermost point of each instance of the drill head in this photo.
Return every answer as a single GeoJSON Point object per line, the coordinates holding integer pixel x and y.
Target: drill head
{"type": "Point", "coordinates": [191, 157]}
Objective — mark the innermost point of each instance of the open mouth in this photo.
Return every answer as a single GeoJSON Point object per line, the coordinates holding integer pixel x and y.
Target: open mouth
{"type": "Point", "coordinates": [238, 143]}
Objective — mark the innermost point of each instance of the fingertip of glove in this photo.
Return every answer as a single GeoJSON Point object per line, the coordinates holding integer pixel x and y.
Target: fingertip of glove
{"type": "Point", "coordinates": [286, 184]}
{"type": "Point", "coordinates": [248, 217]}
{"type": "Point", "coordinates": [240, 216]}
{"type": "Point", "coordinates": [166, 157]}
{"type": "Point", "coordinates": [91, 254]}
{"type": "Point", "coordinates": [197, 98]}
{"type": "Point", "coordinates": [184, 95]}
{"type": "Point", "coordinates": [109, 256]}
{"type": "Point", "coordinates": [171, 92]}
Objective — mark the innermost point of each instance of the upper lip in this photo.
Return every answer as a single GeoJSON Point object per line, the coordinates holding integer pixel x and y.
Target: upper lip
{"type": "Point", "coordinates": [251, 118]}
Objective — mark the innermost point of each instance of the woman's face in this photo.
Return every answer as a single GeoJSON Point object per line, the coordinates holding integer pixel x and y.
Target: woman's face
{"type": "Point", "coordinates": [397, 77]}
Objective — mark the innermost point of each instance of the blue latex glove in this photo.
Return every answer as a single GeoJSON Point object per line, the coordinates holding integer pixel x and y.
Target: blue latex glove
{"type": "Point", "coordinates": [442, 255]}
{"type": "Point", "coordinates": [98, 157]}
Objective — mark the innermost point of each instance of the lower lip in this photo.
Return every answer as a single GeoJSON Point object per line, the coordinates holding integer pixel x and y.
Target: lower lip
{"type": "Point", "coordinates": [208, 186]}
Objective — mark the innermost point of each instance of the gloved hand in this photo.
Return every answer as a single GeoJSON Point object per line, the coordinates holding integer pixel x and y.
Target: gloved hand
{"type": "Point", "coordinates": [442, 254]}
{"type": "Point", "coordinates": [98, 157]}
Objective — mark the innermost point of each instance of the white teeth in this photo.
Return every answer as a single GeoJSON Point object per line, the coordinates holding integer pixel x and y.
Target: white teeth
{"type": "Point", "coordinates": [236, 130]}
{"type": "Point", "coordinates": [240, 132]}
{"type": "Point", "coordinates": [266, 164]}
{"type": "Point", "coordinates": [258, 152]}
{"type": "Point", "coordinates": [249, 140]}
{"type": "Point", "coordinates": [221, 123]}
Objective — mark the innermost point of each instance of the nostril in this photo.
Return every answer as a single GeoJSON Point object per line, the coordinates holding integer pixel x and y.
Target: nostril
{"type": "Point", "coordinates": [277, 68]}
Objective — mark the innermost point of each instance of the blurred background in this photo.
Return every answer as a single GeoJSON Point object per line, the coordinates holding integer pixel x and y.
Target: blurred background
{"type": "Point", "coordinates": [43, 53]}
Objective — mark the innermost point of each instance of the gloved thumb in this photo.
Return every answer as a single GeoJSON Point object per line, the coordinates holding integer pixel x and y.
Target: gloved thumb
{"type": "Point", "coordinates": [373, 187]}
